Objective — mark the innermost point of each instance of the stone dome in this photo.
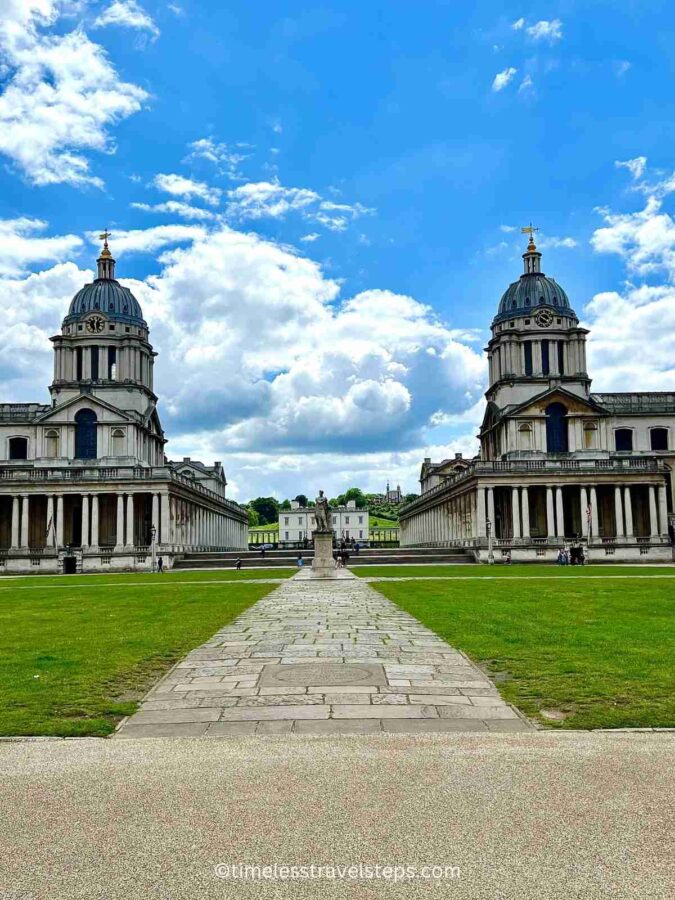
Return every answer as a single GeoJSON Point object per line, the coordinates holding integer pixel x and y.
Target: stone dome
{"type": "Point", "coordinates": [106, 295]}
{"type": "Point", "coordinates": [533, 289]}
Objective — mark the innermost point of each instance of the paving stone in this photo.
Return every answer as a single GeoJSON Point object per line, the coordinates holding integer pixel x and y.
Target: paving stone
{"type": "Point", "coordinates": [477, 712]}
{"type": "Point", "coordinates": [338, 726]}
{"type": "Point", "coordinates": [231, 729]}
{"type": "Point", "coordinates": [166, 716]}
{"type": "Point", "coordinates": [417, 726]}
{"type": "Point", "coordinates": [384, 712]}
{"type": "Point", "coordinates": [164, 729]}
{"type": "Point", "coordinates": [282, 726]}
{"type": "Point", "coordinates": [275, 712]}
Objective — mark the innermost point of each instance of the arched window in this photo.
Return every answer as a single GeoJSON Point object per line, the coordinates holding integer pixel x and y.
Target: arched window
{"type": "Point", "coordinates": [18, 448]}
{"type": "Point", "coordinates": [659, 438]}
{"type": "Point", "coordinates": [623, 440]}
{"type": "Point", "coordinates": [556, 428]}
{"type": "Point", "coordinates": [525, 436]}
{"type": "Point", "coordinates": [52, 444]}
{"type": "Point", "coordinates": [118, 442]}
{"type": "Point", "coordinates": [85, 434]}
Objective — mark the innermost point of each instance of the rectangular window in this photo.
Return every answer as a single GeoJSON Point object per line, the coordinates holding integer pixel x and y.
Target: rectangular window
{"type": "Point", "coordinates": [94, 363]}
{"type": "Point", "coordinates": [545, 363]}
{"type": "Point", "coordinates": [285, 520]}
{"type": "Point", "coordinates": [286, 534]}
{"type": "Point", "coordinates": [78, 364]}
{"type": "Point", "coordinates": [527, 350]}
{"type": "Point", "coordinates": [561, 358]}
{"type": "Point", "coordinates": [112, 363]}
{"type": "Point", "coordinates": [346, 520]}
{"type": "Point", "coordinates": [360, 520]}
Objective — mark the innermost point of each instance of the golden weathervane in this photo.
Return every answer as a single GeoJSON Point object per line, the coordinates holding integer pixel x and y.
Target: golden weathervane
{"type": "Point", "coordinates": [529, 229]}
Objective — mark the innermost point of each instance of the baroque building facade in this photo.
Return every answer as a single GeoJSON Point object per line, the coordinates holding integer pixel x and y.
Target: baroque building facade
{"type": "Point", "coordinates": [84, 481]}
{"type": "Point", "coordinates": [557, 463]}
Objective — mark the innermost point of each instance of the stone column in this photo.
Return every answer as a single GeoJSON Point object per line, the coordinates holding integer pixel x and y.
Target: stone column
{"type": "Point", "coordinates": [59, 520]}
{"type": "Point", "coordinates": [628, 506]}
{"type": "Point", "coordinates": [550, 516]}
{"type": "Point", "coordinates": [480, 512]}
{"type": "Point", "coordinates": [49, 539]}
{"type": "Point", "coordinates": [85, 521]}
{"type": "Point", "coordinates": [663, 511]}
{"type": "Point", "coordinates": [16, 519]}
{"type": "Point", "coordinates": [526, 512]}
{"type": "Point", "coordinates": [559, 513]}
{"type": "Point", "coordinates": [25, 518]}
{"type": "Point", "coordinates": [119, 532]}
{"type": "Point", "coordinates": [155, 515]}
{"type": "Point", "coordinates": [94, 521]}
{"type": "Point", "coordinates": [515, 511]}
{"type": "Point", "coordinates": [618, 511]}
{"type": "Point", "coordinates": [491, 508]}
{"type": "Point", "coordinates": [595, 518]}
{"type": "Point", "coordinates": [164, 518]}
{"type": "Point", "coordinates": [583, 503]}
{"type": "Point", "coordinates": [653, 516]}
{"type": "Point", "coordinates": [130, 520]}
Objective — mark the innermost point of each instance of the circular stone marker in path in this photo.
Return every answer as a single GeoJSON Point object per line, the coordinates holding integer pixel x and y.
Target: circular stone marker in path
{"type": "Point", "coordinates": [320, 674]}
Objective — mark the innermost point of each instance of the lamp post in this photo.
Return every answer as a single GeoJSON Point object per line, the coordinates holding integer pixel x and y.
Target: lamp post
{"type": "Point", "coordinates": [153, 535]}
{"type": "Point", "coordinates": [488, 530]}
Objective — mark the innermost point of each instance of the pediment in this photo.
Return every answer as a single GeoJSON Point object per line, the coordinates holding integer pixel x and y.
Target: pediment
{"type": "Point", "coordinates": [65, 413]}
{"type": "Point", "coordinates": [576, 405]}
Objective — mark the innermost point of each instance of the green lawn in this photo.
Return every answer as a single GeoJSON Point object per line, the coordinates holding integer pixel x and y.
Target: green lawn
{"type": "Point", "coordinates": [514, 571]}
{"type": "Point", "coordinates": [76, 652]}
{"type": "Point", "coordinates": [601, 651]}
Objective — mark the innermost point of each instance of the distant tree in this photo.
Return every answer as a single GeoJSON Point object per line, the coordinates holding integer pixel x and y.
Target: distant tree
{"type": "Point", "coordinates": [285, 504]}
{"type": "Point", "coordinates": [333, 502]}
{"type": "Point", "coordinates": [355, 493]}
{"type": "Point", "coordinates": [410, 497]}
{"type": "Point", "coordinates": [301, 499]}
{"type": "Point", "coordinates": [253, 517]}
{"type": "Point", "coordinates": [267, 509]}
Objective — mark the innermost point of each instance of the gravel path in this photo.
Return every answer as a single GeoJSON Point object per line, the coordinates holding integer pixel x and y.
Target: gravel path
{"type": "Point", "coordinates": [535, 816]}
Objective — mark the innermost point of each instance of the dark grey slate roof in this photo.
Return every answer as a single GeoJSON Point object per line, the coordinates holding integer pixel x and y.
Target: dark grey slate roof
{"type": "Point", "coordinates": [108, 296]}
{"type": "Point", "coordinates": [531, 291]}
{"type": "Point", "coordinates": [635, 403]}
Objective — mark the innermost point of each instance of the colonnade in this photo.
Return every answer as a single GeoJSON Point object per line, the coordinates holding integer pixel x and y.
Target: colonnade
{"type": "Point", "coordinates": [175, 520]}
{"type": "Point", "coordinates": [466, 516]}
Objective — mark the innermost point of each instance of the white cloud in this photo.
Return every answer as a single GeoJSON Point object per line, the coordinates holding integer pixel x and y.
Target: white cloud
{"type": "Point", "coordinates": [177, 208]}
{"type": "Point", "coordinates": [636, 166]}
{"type": "Point", "coordinates": [502, 79]}
{"type": "Point", "coordinates": [310, 238]}
{"type": "Point", "coordinates": [127, 14]}
{"type": "Point", "coordinates": [645, 240]}
{"type": "Point", "coordinates": [61, 94]}
{"type": "Point", "coordinates": [179, 186]}
{"type": "Point", "coordinates": [557, 242]}
{"type": "Point", "coordinates": [21, 245]}
{"type": "Point", "coordinates": [526, 85]}
{"type": "Point", "coordinates": [622, 326]}
{"type": "Point", "coordinates": [271, 199]}
{"type": "Point", "coordinates": [507, 229]}
{"type": "Point", "coordinates": [621, 67]}
{"type": "Point", "coordinates": [226, 158]}
{"type": "Point", "coordinates": [518, 24]}
{"type": "Point", "coordinates": [147, 240]}
{"type": "Point", "coordinates": [545, 30]}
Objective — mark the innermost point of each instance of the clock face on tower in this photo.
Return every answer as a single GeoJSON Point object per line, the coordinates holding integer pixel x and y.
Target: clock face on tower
{"type": "Point", "coordinates": [95, 324]}
{"type": "Point", "coordinates": [544, 318]}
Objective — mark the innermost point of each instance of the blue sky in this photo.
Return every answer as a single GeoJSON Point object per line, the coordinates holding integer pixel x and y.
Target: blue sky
{"type": "Point", "coordinates": [341, 188]}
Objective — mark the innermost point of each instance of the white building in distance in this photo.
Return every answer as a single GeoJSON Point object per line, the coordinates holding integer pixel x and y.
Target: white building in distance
{"type": "Point", "coordinates": [297, 524]}
{"type": "Point", "coordinates": [84, 482]}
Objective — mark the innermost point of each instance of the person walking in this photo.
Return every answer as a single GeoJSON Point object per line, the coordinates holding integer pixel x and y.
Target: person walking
{"type": "Point", "coordinates": [160, 564]}
{"type": "Point", "coordinates": [237, 565]}
{"type": "Point", "coordinates": [300, 561]}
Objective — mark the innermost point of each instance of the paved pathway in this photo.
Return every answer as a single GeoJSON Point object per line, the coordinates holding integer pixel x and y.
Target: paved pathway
{"type": "Point", "coordinates": [322, 657]}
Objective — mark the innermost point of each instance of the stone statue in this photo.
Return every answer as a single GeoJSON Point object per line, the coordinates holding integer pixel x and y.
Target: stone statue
{"type": "Point", "coordinates": [322, 514]}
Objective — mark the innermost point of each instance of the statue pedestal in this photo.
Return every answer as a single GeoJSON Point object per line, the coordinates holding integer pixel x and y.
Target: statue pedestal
{"type": "Point", "coordinates": [323, 564]}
